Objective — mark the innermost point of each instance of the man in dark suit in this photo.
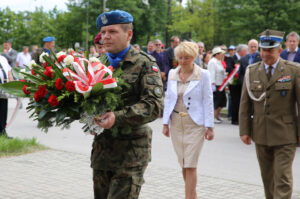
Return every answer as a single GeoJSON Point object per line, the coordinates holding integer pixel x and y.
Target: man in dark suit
{"type": "Point", "coordinates": [170, 51]}
{"type": "Point", "coordinates": [235, 87]}
{"type": "Point", "coordinates": [249, 59]}
{"type": "Point", "coordinates": [292, 53]}
{"type": "Point", "coordinates": [9, 53]}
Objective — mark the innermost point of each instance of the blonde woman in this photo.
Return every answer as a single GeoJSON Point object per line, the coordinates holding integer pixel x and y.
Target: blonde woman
{"type": "Point", "coordinates": [188, 113]}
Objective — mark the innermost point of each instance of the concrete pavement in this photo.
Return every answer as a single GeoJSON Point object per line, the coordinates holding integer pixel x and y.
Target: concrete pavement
{"type": "Point", "coordinates": [227, 168]}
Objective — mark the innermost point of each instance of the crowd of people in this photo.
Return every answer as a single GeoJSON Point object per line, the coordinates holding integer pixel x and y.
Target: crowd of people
{"type": "Point", "coordinates": [193, 81]}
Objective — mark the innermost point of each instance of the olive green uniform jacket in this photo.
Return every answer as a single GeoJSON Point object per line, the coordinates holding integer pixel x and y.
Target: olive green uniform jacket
{"type": "Point", "coordinates": [143, 101]}
{"type": "Point", "coordinates": [275, 118]}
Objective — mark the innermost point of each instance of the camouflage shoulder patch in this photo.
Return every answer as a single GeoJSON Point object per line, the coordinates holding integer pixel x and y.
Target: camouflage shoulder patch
{"type": "Point", "coordinates": [158, 91]}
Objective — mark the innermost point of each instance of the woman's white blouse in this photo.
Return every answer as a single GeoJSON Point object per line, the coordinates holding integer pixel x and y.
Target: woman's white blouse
{"type": "Point", "coordinates": [216, 70]}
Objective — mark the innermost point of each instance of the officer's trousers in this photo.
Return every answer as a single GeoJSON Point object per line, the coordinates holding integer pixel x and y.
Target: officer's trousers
{"type": "Point", "coordinates": [122, 183]}
{"type": "Point", "coordinates": [276, 169]}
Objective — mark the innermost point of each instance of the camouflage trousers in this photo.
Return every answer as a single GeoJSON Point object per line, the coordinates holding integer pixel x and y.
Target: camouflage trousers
{"type": "Point", "coordinates": [123, 183]}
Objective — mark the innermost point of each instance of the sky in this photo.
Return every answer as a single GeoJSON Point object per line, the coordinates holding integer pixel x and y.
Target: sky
{"type": "Point", "coordinates": [29, 5]}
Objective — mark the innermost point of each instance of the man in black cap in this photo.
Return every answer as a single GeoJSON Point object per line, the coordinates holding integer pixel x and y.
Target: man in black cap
{"type": "Point", "coordinates": [269, 109]}
{"type": "Point", "coordinates": [120, 161]}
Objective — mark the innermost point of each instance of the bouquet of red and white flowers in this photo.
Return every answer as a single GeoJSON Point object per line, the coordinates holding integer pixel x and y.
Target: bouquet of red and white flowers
{"type": "Point", "coordinates": [66, 89]}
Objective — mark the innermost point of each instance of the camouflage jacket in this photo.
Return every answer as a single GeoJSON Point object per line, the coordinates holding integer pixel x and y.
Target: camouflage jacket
{"type": "Point", "coordinates": [143, 103]}
{"type": "Point", "coordinates": [36, 56]}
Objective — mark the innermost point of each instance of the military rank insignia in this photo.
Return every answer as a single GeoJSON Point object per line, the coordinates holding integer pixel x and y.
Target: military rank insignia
{"type": "Point", "coordinates": [155, 68]}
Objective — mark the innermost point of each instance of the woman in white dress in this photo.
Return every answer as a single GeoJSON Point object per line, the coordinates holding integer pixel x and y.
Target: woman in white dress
{"type": "Point", "coordinates": [188, 113]}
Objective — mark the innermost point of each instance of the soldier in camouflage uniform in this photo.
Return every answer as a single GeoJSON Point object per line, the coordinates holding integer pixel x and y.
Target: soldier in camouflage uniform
{"type": "Point", "coordinates": [119, 162]}
{"type": "Point", "coordinates": [49, 43]}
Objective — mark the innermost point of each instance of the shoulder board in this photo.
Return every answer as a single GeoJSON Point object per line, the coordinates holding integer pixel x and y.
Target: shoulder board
{"type": "Point", "coordinates": [148, 56]}
{"type": "Point", "coordinates": [296, 64]}
{"type": "Point", "coordinates": [255, 64]}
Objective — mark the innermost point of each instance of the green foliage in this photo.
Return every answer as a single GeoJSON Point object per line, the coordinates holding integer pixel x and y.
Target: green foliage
{"type": "Point", "coordinates": [16, 146]}
{"type": "Point", "coordinates": [214, 22]}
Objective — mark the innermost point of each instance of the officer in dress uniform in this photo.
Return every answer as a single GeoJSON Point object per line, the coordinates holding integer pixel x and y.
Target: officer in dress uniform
{"type": "Point", "coordinates": [268, 115]}
{"type": "Point", "coordinates": [49, 44]}
{"type": "Point", "coordinates": [119, 162]}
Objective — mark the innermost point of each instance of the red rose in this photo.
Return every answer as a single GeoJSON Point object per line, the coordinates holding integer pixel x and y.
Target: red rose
{"type": "Point", "coordinates": [42, 91]}
{"type": "Point", "coordinates": [32, 72]}
{"type": "Point", "coordinates": [22, 80]}
{"type": "Point", "coordinates": [48, 72]}
{"type": "Point", "coordinates": [70, 86]}
{"type": "Point", "coordinates": [53, 100]}
{"type": "Point", "coordinates": [45, 65]}
{"type": "Point", "coordinates": [58, 84]}
{"type": "Point", "coordinates": [37, 96]}
{"type": "Point", "coordinates": [61, 58]}
{"type": "Point", "coordinates": [27, 92]}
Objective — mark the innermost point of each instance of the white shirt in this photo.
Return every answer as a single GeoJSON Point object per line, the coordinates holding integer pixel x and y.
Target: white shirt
{"type": "Point", "coordinates": [6, 67]}
{"type": "Point", "coordinates": [23, 59]}
{"type": "Point", "coordinates": [217, 71]}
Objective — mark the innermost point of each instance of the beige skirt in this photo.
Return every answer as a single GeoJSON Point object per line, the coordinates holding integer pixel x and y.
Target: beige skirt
{"type": "Point", "coordinates": [187, 138]}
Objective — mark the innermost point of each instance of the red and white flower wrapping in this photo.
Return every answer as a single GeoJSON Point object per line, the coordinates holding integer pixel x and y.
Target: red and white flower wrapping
{"type": "Point", "coordinates": [229, 78]}
{"type": "Point", "coordinates": [85, 80]}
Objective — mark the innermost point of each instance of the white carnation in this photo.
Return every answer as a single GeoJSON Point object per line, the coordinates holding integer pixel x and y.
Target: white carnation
{"type": "Point", "coordinates": [60, 54]}
{"type": "Point", "coordinates": [69, 60]}
{"type": "Point", "coordinates": [41, 57]}
{"type": "Point", "coordinates": [32, 63]}
{"type": "Point", "coordinates": [94, 59]}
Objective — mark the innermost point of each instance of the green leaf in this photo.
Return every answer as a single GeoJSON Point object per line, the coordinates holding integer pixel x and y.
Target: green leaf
{"type": "Point", "coordinates": [42, 114]}
{"type": "Point", "coordinates": [33, 78]}
{"type": "Point", "coordinates": [97, 89]}
{"type": "Point", "coordinates": [54, 67]}
{"type": "Point", "coordinates": [14, 88]}
{"type": "Point", "coordinates": [16, 73]}
{"type": "Point", "coordinates": [60, 116]}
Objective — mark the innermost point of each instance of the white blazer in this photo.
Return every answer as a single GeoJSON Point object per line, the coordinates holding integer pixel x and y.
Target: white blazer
{"type": "Point", "coordinates": [197, 98]}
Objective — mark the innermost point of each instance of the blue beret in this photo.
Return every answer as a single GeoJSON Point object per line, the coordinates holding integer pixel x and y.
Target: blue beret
{"type": "Point", "coordinates": [113, 17]}
{"type": "Point", "coordinates": [48, 39]}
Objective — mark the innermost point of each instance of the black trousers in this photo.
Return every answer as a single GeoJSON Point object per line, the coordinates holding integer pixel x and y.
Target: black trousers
{"type": "Point", "coordinates": [3, 114]}
{"type": "Point", "coordinates": [235, 92]}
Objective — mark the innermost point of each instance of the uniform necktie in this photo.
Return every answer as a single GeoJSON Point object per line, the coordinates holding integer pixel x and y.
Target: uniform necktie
{"type": "Point", "coordinates": [269, 74]}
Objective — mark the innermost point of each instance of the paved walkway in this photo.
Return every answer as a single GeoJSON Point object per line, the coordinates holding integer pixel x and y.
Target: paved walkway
{"type": "Point", "coordinates": [66, 175]}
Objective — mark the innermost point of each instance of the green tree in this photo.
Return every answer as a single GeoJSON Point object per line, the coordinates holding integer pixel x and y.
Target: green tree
{"type": "Point", "coordinates": [241, 20]}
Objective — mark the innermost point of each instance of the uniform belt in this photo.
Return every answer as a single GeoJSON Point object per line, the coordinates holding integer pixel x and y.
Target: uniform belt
{"type": "Point", "coordinates": [182, 114]}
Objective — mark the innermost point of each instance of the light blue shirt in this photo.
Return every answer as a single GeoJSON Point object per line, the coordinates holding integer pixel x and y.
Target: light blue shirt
{"type": "Point", "coordinates": [273, 66]}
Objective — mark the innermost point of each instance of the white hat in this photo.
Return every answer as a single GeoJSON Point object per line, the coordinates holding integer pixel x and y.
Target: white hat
{"type": "Point", "coordinates": [217, 50]}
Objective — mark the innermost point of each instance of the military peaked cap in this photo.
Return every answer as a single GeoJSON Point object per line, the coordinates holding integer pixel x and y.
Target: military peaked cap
{"type": "Point", "coordinates": [270, 38]}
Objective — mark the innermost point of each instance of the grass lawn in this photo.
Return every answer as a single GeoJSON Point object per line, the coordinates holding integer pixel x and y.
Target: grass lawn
{"type": "Point", "coordinates": [16, 146]}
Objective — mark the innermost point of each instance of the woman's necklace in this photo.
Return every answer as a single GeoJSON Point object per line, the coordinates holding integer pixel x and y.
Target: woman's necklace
{"type": "Point", "coordinates": [184, 75]}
